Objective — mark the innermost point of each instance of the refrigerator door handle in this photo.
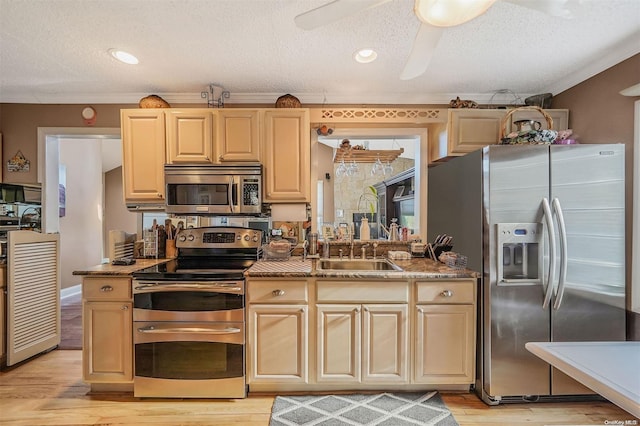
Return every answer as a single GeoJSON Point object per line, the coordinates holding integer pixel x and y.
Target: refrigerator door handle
{"type": "Point", "coordinates": [548, 217]}
{"type": "Point", "coordinates": [563, 253]}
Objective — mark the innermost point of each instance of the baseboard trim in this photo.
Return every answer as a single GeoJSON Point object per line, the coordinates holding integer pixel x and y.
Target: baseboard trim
{"type": "Point", "coordinates": [70, 291]}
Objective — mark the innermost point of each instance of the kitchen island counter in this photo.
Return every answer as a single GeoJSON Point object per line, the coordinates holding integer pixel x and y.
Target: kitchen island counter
{"type": "Point", "coordinates": [419, 268]}
{"type": "Point", "coordinates": [120, 270]}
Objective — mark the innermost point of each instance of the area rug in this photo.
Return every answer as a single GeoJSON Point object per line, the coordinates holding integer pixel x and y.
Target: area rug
{"type": "Point", "coordinates": [388, 409]}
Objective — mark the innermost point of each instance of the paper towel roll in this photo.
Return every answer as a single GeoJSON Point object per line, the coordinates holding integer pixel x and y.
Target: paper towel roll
{"type": "Point", "coordinates": [289, 212]}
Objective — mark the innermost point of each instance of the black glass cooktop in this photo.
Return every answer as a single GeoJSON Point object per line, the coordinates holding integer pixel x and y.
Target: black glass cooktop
{"type": "Point", "coordinates": [192, 269]}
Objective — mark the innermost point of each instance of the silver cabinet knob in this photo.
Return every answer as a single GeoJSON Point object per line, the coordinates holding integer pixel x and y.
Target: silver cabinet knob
{"type": "Point", "coordinates": [447, 293]}
{"type": "Point", "coordinates": [159, 195]}
{"type": "Point", "coordinates": [125, 308]}
{"type": "Point", "coordinates": [106, 288]}
{"type": "Point", "coordinates": [277, 293]}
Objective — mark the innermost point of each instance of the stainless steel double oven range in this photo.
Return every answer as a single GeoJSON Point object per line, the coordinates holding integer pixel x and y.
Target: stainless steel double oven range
{"type": "Point", "coordinates": [189, 317]}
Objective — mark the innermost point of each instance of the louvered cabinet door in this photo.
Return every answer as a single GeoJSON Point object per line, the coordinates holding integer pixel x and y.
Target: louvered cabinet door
{"type": "Point", "coordinates": [33, 294]}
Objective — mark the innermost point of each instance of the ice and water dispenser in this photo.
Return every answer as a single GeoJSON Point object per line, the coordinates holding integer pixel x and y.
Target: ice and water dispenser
{"type": "Point", "coordinates": [520, 253]}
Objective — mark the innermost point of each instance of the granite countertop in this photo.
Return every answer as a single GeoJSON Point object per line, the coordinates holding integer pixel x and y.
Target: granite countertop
{"type": "Point", "coordinates": [411, 268]}
{"type": "Point", "coordinates": [109, 269]}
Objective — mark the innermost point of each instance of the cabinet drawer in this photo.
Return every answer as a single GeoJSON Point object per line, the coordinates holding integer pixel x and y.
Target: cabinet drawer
{"type": "Point", "coordinates": [106, 289]}
{"type": "Point", "coordinates": [363, 291]}
{"type": "Point", "coordinates": [277, 291]}
{"type": "Point", "coordinates": [440, 292]}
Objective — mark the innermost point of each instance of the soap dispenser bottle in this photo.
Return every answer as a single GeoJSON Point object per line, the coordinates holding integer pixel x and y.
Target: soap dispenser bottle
{"type": "Point", "coordinates": [365, 230]}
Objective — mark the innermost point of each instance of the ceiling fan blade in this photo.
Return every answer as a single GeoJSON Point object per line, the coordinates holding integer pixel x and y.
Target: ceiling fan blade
{"type": "Point", "coordinates": [557, 8]}
{"type": "Point", "coordinates": [423, 47]}
{"type": "Point", "coordinates": [334, 11]}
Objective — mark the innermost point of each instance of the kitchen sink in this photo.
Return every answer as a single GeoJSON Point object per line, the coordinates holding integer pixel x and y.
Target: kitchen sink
{"type": "Point", "coordinates": [357, 265]}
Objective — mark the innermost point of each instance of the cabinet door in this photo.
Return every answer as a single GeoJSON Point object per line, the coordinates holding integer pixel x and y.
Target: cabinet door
{"type": "Point", "coordinates": [238, 135]}
{"type": "Point", "coordinates": [143, 148]}
{"type": "Point", "coordinates": [278, 344]}
{"type": "Point", "coordinates": [107, 347]}
{"type": "Point", "coordinates": [445, 344]}
{"type": "Point", "coordinates": [384, 343]}
{"type": "Point", "coordinates": [285, 154]}
{"type": "Point", "coordinates": [339, 343]}
{"type": "Point", "coordinates": [472, 129]}
{"type": "Point", "coordinates": [190, 136]}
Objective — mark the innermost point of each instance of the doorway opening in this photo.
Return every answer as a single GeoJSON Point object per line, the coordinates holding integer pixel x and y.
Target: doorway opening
{"type": "Point", "coordinates": [78, 209]}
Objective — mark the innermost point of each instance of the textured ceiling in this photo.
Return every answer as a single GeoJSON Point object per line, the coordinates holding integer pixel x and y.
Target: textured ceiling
{"type": "Point", "coordinates": [56, 51]}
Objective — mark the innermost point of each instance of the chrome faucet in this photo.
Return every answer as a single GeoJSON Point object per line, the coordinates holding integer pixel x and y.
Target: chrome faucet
{"type": "Point", "coordinates": [364, 251]}
{"type": "Point", "coordinates": [340, 253]}
{"type": "Point", "coordinates": [375, 247]}
{"type": "Point", "coordinates": [351, 250]}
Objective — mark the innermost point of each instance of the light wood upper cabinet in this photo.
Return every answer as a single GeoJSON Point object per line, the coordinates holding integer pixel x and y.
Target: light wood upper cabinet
{"type": "Point", "coordinates": [238, 136]}
{"type": "Point", "coordinates": [190, 135]}
{"type": "Point", "coordinates": [469, 129]}
{"type": "Point", "coordinates": [286, 155]}
{"type": "Point", "coordinates": [107, 330]}
{"type": "Point", "coordinates": [143, 154]}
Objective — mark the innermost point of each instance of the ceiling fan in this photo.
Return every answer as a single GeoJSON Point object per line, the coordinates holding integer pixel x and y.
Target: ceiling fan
{"type": "Point", "coordinates": [435, 16]}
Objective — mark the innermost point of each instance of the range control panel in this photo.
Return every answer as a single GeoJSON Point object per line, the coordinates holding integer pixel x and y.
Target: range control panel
{"type": "Point", "coordinates": [219, 237]}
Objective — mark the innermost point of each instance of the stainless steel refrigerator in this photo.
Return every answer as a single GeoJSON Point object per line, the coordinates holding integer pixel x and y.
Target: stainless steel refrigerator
{"type": "Point", "coordinates": [544, 224]}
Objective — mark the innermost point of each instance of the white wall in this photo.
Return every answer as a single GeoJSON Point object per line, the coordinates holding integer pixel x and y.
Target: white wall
{"type": "Point", "coordinates": [81, 227]}
{"type": "Point", "coordinates": [116, 215]}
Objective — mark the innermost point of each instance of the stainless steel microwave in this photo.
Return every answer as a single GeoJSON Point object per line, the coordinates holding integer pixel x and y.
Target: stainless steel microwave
{"type": "Point", "coordinates": [214, 189]}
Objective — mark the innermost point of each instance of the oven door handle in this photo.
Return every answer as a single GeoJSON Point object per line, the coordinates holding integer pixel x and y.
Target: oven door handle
{"type": "Point", "coordinates": [204, 286]}
{"type": "Point", "coordinates": [200, 330]}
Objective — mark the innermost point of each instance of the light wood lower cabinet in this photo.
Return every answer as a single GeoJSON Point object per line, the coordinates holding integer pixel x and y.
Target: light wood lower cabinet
{"type": "Point", "coordinates": [107, 330]}
{"type": "Point", "coordinates": [278, 344]}
{"type": "Point", "coordinates": [362, 343]}
{"type": "Point", "coordinates": [277, 324]}
{"type": "Point", "coordinates": [445, 318]}
{"type": "Point", "coordinates": [444, 344]}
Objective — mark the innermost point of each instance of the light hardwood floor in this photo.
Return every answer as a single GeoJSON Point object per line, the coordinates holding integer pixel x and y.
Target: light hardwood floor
{"type": "Point", "coordinates": [48, 390]}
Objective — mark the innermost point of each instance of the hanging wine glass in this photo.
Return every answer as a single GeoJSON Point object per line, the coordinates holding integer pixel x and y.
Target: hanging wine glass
{"type": "Point", "coordinates": [377, 167]}
{"type": "Point", "coordinates": [352, 169]}
{"type": "Point", "coordinates": [388, 169]}
{"type": "Point", "coordinates": [341, 170]}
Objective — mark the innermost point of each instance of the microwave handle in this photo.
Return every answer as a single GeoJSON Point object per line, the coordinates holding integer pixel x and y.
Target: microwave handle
{"type": "Point", "coordinates": [230, 194]}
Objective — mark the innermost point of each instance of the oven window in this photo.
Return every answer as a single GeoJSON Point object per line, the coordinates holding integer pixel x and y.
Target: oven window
{"type": "Point", "coordinates": [200, 194]}
{"type": "Point", "coordinates": [189, 360]}
{"type": "Point", "coordinates": [188, 301]}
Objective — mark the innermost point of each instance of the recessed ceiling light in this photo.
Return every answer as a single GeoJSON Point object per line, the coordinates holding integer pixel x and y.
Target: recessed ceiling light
{"type": "Point", "coordinates": [364, 56]}
{"type": "Point", "coordinates": [123, 56]}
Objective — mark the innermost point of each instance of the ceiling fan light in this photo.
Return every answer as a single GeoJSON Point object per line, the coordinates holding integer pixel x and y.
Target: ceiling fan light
{"type": "Point", "coordinates": [123, 56]}
{"type": "Point", "coordinates": [364, 56]}
{"type": "Point", "coordinates": [449, 13]}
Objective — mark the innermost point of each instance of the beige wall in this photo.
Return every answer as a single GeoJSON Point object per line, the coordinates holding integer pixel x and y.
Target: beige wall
{"type": "Point", "coordinates": [325, 165]}
{"type": "Point", "coordinates": [116, 215]}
